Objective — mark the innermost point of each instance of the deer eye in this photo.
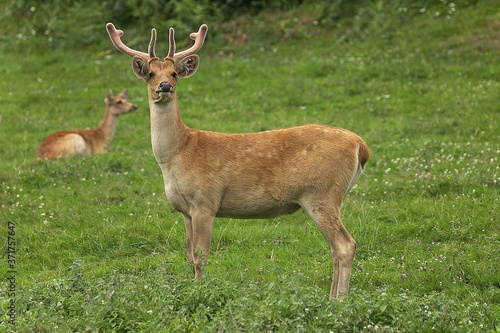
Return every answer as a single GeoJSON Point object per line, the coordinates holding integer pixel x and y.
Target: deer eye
{"type": "Point", "coordinates": [151, 75]}
{"type": "Point", "coordinates": [175, 75]}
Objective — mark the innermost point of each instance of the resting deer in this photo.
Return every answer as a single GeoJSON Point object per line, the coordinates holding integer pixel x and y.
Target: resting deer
{"type": "Point", "coordinates": [90, 141]}
{"type": "Point", "coordinates": [254, 175]}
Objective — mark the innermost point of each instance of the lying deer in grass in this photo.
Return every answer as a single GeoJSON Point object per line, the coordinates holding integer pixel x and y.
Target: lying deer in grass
{"type": "Point", "coordinates": [90, 141]}
{"type": "Point", "coordinates": [255, 175]}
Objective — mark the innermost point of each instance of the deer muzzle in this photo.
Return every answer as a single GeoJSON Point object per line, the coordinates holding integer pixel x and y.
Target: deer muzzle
{"type": "Point", "coordinates": [165, 87]}
{"type": "Point", "coordinates": [163, 93]}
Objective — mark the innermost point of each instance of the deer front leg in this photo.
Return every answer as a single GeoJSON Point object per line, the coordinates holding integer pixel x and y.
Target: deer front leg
{"type": "Point", "coordinates": [189, 236]}
{"type": "Point", "coordinates": [200, 239]}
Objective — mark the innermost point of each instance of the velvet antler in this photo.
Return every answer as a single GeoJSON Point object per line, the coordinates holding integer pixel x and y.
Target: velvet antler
{"type": "Point", "coordinates": [198, 37]}
{"type": "Point", "coordinates": [115, 35]}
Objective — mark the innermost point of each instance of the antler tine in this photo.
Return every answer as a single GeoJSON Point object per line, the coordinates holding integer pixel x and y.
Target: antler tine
{"type": "Point", "coordinates": [171, 45]}
{"type": "Point", "coordinates": [198, 37]}
{"type": "Point", "coordinates": [152, 44]}
{"type": "Point", "coordinates": [115, 35]}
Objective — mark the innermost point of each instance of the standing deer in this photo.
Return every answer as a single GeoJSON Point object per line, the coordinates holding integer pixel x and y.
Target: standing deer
{"type": "Point", "coordinates": [90, 141]}
{"type": "Point", "coordinates": [254, 175]}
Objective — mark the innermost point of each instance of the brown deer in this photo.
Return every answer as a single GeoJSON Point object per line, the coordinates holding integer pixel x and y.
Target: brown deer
{"type": "Point", "coordinates": [254, 175]}
{"type": "Point", "coordinates": [86, 142]}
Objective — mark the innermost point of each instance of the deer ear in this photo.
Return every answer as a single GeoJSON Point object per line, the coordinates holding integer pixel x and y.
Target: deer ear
{"type": "Point", "coordinates": [124, 94]}
{"type": "Point", "coordinates": [140, 67]}
{"type": "Point", "coordinates": [188, 66]}
{"type": "Point", "coordinates": [109, 97]}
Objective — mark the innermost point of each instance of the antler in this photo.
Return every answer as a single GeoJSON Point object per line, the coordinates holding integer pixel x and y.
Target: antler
{"type": "Point", "coordinates": [115, 38]}
{"type": "Point", "coordinates": [198, 37]}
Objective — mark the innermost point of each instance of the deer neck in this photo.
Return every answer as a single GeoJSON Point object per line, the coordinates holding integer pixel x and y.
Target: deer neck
{"type": "Point", "coordinates": [168, 132]}
{"type": "Point", "coordinates": [108, 127]}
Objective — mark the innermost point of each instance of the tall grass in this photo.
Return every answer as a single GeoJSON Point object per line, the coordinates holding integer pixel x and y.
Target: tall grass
{"type": "Point", "coordinates": [100, 249]}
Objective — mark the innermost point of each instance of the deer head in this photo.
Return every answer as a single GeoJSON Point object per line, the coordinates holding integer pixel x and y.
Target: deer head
{"type": "Point", "coordinates": [118, 104]}
{"type": "Point", "coordinates": [161, 76]}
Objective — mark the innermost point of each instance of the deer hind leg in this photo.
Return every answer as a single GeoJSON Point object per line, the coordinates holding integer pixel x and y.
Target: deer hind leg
{"type": "Point", "coordinates": [342, 245]}
{"type": "Point", "coordinates": [198, 238]}
{"type": "Point", "coordinates": [72, 145]}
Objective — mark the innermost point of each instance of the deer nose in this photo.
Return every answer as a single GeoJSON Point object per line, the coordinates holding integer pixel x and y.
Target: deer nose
{"type": "Point", "coordinates": [165, 87]}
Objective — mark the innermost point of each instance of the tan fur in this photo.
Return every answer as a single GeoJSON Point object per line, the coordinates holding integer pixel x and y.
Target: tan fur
{"type": "Point", "coordinates": [87, 142]}
{"type": "Point", "coordinates": [255, 175]}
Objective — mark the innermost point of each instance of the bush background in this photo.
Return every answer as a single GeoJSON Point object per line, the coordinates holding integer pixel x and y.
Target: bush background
{"type": "Point", "coordinates": [78, 23]}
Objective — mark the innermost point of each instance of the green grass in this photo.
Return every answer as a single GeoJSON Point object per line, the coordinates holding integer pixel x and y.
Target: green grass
{"type": "Point", "coordinates": [99, 248]}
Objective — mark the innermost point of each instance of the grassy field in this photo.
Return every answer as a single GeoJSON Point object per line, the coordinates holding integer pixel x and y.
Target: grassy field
{"type": "Point", "coordinates": [98, 248]}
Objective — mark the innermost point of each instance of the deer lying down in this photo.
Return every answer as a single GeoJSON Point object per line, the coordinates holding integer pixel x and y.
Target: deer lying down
{"type": "Point", "coordinates": [255, 175]}
{"type": "Point", "coordinates": [89, 141]}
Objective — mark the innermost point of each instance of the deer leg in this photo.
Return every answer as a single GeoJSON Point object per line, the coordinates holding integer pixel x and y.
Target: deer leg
{"type": "Point", "coordinates": [202, 225]}
{"type": "Point", "coordinates": [342, 245]}
{"type": "Point", "coordinates": [71, 145]}
{"type": "Point", "coordinates": [189, 237]}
